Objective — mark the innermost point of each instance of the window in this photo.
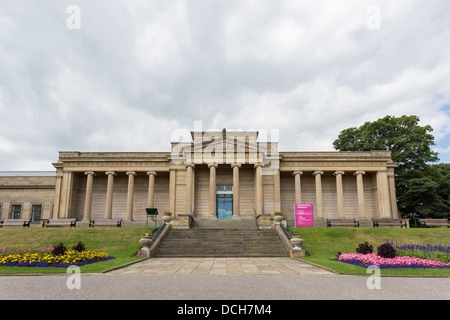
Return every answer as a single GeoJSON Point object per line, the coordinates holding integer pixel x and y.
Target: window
{"type": "Point", "coordinates": [16, 211]}
{"type": "Point", "coordinates": [224, 189]}
{"type": "Point", "coordinates": [36, 212]}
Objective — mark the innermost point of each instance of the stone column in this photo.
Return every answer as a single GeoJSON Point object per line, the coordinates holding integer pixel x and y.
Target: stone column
{"type": "Point", "coordinates": [58, 186]}
{"type": "Point", "coordinates": [392, 194]}
{"type": "Point", "coordinates": [259, 189]}
{"type": "Point", "coordinates": [236, 167]}
{"type": "Point", "coordinates": [189, 168]}
{"type": "Point", "coordinates": [88, 199]}
{"type": "Point", "coordinates": [212, 190]}
{"type": "Point", "coordinates": [383, 194]}
{"type": "Point", "coordinates": [130, 195]}
{"type": "Point", "coordinates": [109, 194]}
{"type": "Point", "coordinates": [151, 189]}
{"type": "Point", "coordinates": [298, 186]}
{"type": "Point", "coordinates": [319, 201]}
{"type": "Point", "coordinates": [172, 186]}
{"type": "Point", "coordinates": [277, 190]}
{"type": "Point", "coordinates": [340, 193]}
{"type": "Point", "coordinates": [360, 189]}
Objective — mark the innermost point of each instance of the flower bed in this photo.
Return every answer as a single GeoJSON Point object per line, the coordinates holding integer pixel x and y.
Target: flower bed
{"type": "Point", "coordinates": [365, 260]}
{"type": "Point", "coordinates": [44, 259]}
{"type": "Point", "coordinates": [392, 255]}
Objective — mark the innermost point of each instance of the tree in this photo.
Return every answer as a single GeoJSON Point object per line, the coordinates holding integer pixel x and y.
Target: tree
{"type": "Point", "coordinates": [421, 187]}
{"type": "Point", "coordinates": [409, 143]}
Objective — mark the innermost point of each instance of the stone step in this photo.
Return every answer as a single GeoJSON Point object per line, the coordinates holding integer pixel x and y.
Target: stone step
{"type": "Point", "coordinates": [222, 242]}
{"type": "Point", "coordinates": [233, 223]}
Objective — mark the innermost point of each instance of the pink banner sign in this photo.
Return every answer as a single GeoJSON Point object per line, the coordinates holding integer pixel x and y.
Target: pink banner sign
{"type": "Point", "coordinates": [304, 215]}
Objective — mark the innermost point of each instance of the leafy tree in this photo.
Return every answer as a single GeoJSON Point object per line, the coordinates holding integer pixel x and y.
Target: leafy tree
{"type": "Point", "coordinates": [409, 143]}
{"type": "Point", "coordinates": [421, 188]}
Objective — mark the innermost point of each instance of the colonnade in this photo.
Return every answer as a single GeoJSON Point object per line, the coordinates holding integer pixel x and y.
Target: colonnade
{"type": "Point", "coordinates": [382, 191]}
{"type": "Point", "coordinates": [109, 193]}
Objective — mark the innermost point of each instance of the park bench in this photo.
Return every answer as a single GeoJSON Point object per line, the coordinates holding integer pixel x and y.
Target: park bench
{"type": "Point", "coordinates": [15, 223]}
{"type": "Point", "coordinates": [425, 223]}
{"type": "Point", "coordinates": [105, 223]}
{"type": "Point", "coordinates": [59, 222]}
{"type": "Point", "coordinates": [342, 223]}
{"type": "Point", "coordinates": [388, 223]}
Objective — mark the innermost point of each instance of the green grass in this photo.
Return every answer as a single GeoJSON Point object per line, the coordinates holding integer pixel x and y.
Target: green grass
{"type": "Point", "coordinates": [323, 244]}
{"type": "Point", "coordinates": [121, 243]}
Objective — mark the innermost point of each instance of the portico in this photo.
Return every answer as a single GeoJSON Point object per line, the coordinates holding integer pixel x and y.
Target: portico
{"type": "Point", "coordinates": [224, 175]}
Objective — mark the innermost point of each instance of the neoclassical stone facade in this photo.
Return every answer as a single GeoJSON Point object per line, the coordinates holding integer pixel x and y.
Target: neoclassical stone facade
{"type": "Point", "coordinates": [222, 175]}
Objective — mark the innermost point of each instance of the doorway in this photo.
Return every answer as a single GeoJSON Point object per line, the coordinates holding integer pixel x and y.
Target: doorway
{"type": "Point", "coordinates": [224, 200]}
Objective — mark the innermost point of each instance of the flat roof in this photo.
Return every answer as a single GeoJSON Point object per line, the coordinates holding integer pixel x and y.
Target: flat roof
{"type": "Point", "coordinates": [27, 173]}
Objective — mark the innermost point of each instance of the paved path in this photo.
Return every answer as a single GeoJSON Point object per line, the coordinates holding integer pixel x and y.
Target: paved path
{"type": "Point", "coordinates": [222, 266]}
{"type": "Point", "coordinates": [235, 289]}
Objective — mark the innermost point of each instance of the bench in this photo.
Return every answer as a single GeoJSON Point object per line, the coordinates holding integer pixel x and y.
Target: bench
{"type": "Point", "coordinates": [59, 222]}
{"type": "Point", "coordinates": [342, 223]}
{"type": "Point", "coordinates": [105, 223]}
{"type": "Point", "coordinates": [425, 223]}
{"type": "Point", "coordinates": [15, 223]}
{"type": "Point", "coordinates": [388, 223]}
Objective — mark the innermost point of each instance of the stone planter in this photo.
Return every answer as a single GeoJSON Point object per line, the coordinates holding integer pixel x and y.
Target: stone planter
{"type": "Point", "coordinates": [146, 241]}
{"type": "Point", "coordinates": [278, 218]}
{"type": "Point", "coordinates": [296, 242]}
{"type": "Point", "coordinates": [167, 218]}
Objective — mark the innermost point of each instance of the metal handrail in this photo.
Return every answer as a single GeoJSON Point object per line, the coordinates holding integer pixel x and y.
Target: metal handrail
{"type": "Point", "coordinates": [285, 231]}
{"type": "Point", "coordinates": [158, 232]}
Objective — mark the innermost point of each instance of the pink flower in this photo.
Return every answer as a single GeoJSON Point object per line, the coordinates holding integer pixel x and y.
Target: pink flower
{"type": "Point", "coordinates": [373, 259]}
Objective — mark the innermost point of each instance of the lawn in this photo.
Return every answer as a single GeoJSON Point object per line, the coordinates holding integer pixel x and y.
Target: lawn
{"type": "Point", "coordinates": [121, 243]}
{"type": "Point", "coordinates": [323, 244]}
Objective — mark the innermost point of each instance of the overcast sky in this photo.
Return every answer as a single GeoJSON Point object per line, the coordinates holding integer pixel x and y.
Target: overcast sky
{"type": "Point", "coordinates": [126, 75]}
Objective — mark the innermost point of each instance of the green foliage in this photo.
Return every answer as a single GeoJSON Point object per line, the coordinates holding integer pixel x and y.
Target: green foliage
{"type": "Point", "coordinates": [408, 142]}
{"type": "Point", "coordinates": [422, 188]}
{"type": "Point", "coordinates": [438, 256]}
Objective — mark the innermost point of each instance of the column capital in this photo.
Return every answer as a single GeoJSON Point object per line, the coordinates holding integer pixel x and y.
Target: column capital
{"type": "Point", "coordinates": [235, 165]}
{"type": "Point", "coordinates": [359, 172]}
{"type": "Point", "coordinates": [297, 172]}
{"type": "Point", "coordinates": [189, 165]}
{"type": "Point", "coordinates": [131, 173]}
{"type": "Point", "coordinates": [152, 173]}
{"type": "Point", "coordinates": [259, 164]}
{"type": "Point", "coordinates": [110, 173]}
{"type": "Point", "coordinates": [318, 172]}
{"type": "Point", "coordinates": [215, 165]}
{"type": "Point", "coordinates": [338, 172]}
{"type": "Point", "coordinates": [89, 173]}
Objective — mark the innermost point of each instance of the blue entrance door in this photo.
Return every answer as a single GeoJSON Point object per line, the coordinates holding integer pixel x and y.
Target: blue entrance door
{"type": "Point", "coordinates": [224, 207]}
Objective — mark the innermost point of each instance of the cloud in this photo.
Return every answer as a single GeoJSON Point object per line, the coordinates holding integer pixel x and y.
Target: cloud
{"type": "Point", "coordinates": [136, 71]}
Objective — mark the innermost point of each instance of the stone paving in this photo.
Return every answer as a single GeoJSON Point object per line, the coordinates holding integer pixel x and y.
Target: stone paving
{"type": "Point", "coordinates": [222, 266]}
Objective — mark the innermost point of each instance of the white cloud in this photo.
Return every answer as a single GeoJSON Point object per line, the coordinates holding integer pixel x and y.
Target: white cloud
{"type": "Point", "coordinates": [138, 70]}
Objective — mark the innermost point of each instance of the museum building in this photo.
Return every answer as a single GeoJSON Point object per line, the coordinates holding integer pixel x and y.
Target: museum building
{"type": "Point", "coordinates": [218, 175]}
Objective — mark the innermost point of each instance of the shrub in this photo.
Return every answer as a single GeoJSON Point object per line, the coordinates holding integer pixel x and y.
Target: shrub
{"type": "Point", "coordinates": [79, 247]}
{"type": "Point", "coordinates": [386, 250]}
{"type": "Point", "coordinates": [364, 248]}
{"type": "Point", "coordinates": [59, 250]}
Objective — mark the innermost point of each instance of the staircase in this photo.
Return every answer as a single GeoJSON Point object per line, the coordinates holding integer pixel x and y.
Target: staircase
{"type": "Point", "coordinates": [222, 238]}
